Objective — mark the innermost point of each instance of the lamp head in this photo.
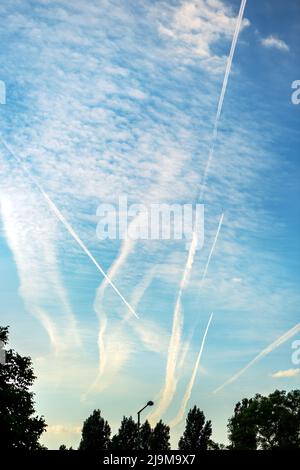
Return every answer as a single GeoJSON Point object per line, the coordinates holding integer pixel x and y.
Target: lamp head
{"type": "Point", "coordinates": [150, 403]}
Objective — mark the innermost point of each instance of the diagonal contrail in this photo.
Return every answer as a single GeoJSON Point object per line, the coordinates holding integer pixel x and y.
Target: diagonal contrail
{"type": "Point", "coordinates": [189, 389]}
{"type": "Point", "coordinates": [223, 92]}
{"type": "Point", "coordinates": [212, 248]}
{"type": "Point", "coordinates": [175, 340]}
{"type": "Point", "coordinates": [67, 225]}
{"type": "Point", "coordinates": [278, 342]}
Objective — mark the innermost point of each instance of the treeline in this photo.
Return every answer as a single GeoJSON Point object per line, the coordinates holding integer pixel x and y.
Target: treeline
{"type": "Point", "coordinates": [267, 423]}
{"type": "Point", "coordinates": [96, 435]}
{"type": "Point", "coordinates": [262, 422]}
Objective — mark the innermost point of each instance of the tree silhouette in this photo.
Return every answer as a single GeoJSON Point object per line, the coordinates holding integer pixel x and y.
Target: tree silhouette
{"type": "Point", "coordinates": [145, 436]}
{"type": "Point", "coordinates": [160, 438]}
{"type": "Point", "coordinates": [242, 427]}
{"type": "Point", "coordinates": [19, 428]}
{"type": "Point", "coordinates": [196, 436]}
{"type": "Point", "coordinates": [95, 433]}
{"type": "Point", "coordinates": [127, 437]}
{"type": "Point", "coordinates": [267, 423]}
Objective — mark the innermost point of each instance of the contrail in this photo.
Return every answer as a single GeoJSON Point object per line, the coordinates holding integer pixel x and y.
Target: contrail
{"type": "Point", "coordinates": [175, 340]}
{"type": "Point", "coordinates": [68, 226]}
{"type": "Point", "coordinates": [84, 248]}
{"type": "Point", "coordinates": [223, 92]}
{"type": "Point", "coordinates": [278, 342]}
{"type": "Point", "coordinates": [102, 317]}
{"type": "Point", "coordinates": [152, 337]}
{"type": "Point", "coordinates": [189, 389]}
{"type": "Point", "coordinates": [213, 247]}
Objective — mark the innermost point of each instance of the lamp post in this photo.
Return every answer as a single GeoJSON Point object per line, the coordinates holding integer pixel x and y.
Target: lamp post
{"type": "Point", "coordinates": [149, 403]}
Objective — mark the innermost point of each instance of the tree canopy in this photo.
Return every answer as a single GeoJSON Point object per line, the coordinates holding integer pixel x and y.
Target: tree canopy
{"type": "Point", "coordinates": [95, 433]}
{"type": "Point", "coordinates": [127, 436]}
{"type": "Point", "coordinates": [196, 436]}
{"type": "Point", "coordinates": [20, 428]}
{"type": "Point", "coordinates": [160, 437]}
{"type": "Point", "coordinates": [267, 423]}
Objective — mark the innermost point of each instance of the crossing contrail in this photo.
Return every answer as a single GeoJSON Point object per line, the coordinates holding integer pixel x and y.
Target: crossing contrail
{"type": "Point", "coordinates": [68, 226]}
{"type": "Point", "coordinates": [189, 389]}
{"type": "Point", "coordinates": [278, 342]}
{"type": "Point", "coordinates": [212, 248]}
{"type": "Point", "coordinates": [175, 340]}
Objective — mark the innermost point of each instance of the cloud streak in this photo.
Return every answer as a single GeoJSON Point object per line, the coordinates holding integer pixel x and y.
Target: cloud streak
{"type": "Point", "coordinates": [278, 342]}
{"type": "Point", "coordinates": [178, 418]}
{"type": "Point", "coordinates": [286, 373]}
{"type": "Point", "coordinates": [32, 241]}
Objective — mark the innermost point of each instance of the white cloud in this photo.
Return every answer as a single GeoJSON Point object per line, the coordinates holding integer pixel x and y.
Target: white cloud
{"type": "Point", "coordinates": [274, 42]}
{"type": "Point", "coordinates": [62, 429]}
{"type": "Point", "coordinates": [195, 27]}
{"type": "Point", "coordinates": [286, 373]}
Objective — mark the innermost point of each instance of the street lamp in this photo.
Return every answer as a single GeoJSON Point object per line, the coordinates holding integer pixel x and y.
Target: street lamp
{"type": "Point", "coordinates": [149, 403]}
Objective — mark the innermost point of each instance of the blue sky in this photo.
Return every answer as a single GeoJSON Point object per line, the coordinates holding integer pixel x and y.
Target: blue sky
{"type": "Point", "coordinates": [105, 98]}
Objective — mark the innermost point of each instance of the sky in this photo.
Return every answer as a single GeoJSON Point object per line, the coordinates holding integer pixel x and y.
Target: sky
{"type": "Point", "coordinates": [107, 98]}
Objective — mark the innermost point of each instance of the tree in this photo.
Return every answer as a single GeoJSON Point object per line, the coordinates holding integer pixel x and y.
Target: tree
{"type": "Point", "coordinates": [242, 427]}
{"type": "Point", "coordinates": [160, 438]}
{"type": "Point", "coordinates": [196, 436]}
{"type": "Point", "coordinates": [267, 423]}
{"type": "Point", "coordinates": [145, 436]}
{"type": "Point", "coordinates": [127, 437]}
{"type": "Point", "coordinates": [19, 427]}
{"type": "Point", "coordinates": [215, 446]}
{"type": "Point", "coordinates": [95, 433]}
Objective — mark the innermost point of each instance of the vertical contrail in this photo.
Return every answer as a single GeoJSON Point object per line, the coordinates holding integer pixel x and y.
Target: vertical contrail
{"type": "Point", "coordinates": [278, 342]}
{"type": "Point", "coordinates": [175, 340]}
{"type": "Point", "coordinates": [68, 226]}
{"type": "Point", "coordinates": [102, 317]}
{"type": "Point", "coordinates": [152, 337]}
{"type": "Point", "coordinates": [213, 247]}
{"type": "Point", "coordinates": [189, 389]}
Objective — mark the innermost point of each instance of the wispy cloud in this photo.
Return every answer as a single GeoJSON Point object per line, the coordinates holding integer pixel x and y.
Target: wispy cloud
{"type": "Point", "coordinates": [196, 27]}
{"type": "Point", "coordinates": [286, 373]}
{"type": "Point", "coordinates": [275, 43]}
{"type": "Point", "coordinates": [31, 238]}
